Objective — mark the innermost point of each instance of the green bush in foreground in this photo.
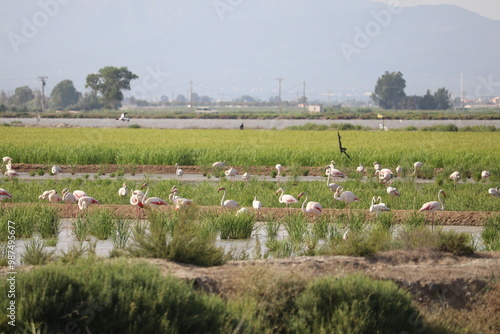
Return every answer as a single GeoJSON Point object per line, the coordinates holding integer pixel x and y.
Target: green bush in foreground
{"type": "Point", "coordinates": [115, 297]}
{"type": "Point", "coordinates": [355, 304]}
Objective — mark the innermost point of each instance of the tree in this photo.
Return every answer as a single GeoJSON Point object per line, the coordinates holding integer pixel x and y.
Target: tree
{"type": "Point", "coordinates": [89, 101]}
{"type": "Point", "coordinates": [442, 99]}
{"type": "Point", "coordinates": [64, 94]}
{"type": "Point", "coordinates": [428, 102]}
{"type": "Point", "coordinates": [109, 82]}
{"type": "Point", "coordinates": [22, 95]}
{"type": "Point", "coordinates": [389, 90]}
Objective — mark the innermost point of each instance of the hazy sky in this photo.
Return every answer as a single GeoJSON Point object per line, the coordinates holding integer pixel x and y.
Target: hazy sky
{"type": "Point", "coordinates": [486, 8]}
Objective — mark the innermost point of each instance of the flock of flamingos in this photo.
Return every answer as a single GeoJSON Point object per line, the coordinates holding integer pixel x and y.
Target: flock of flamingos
{"type": "Point", "coordinates": [141, 199]}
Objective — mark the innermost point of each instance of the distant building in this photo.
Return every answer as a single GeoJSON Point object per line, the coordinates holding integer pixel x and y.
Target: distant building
{"type": "Point", "coordinates": [315, 108]}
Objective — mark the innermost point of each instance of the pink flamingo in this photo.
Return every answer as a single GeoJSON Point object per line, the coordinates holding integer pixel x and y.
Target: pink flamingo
{"type": "Point", "coordinates": [416, 167]}
{"type": "Point", "coordinates": [384, 175]}
{"type": "Point", "coordinates": [434, 205]}
{"type": "Point", "coordinates": [85, 201]}
{"type": "Point", "coordinates": [231, 172]}
{"type": "Point", "coordinates": [151, 202]}
{"type": "Point", "coordinates": [136, 200]}
{"type": "Point", "coordinates": [4, 194]}
{"type": "Point", "coordinates": [334, 172]}
{"type": "Point", "coordinates": [346, 197]}
{"type": "Point", "coordinates": [313, 208]}
{"type": "Point", "coordinates": [286, 199]}
{"type": "Point", "coordinates": [393, 191]}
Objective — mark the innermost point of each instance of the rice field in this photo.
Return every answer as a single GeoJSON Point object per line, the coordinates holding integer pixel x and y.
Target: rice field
{"type": "Point", "coordinates": [462, 151]}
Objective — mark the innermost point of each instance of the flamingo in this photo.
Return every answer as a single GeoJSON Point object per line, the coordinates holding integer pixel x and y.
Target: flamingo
{"type": "Point", "coordinates": [434, 205]}
{"type": "Point", "coordinates": [393, 191]}
{"type": "Point", "coordinates": [179, 172]}
{"type": "Point", "coordinates": [123, 191]}
{"type": "Point", "coordinates": [417, 166]}
{"type": "Point", "coordinates": [10, 173]}
{"type": "Point", "coordinates": [256, 204]}
{"type": "Point", "coordinates": [376, 167]}
{"type": "Point", "coordinates": [346, 196]}
{"type": "Point", "coordinates": [136, 200]}
{"type": "Point", "coordinates": [384, 175]}
{"type": "Point", "coordinates": [6, 160]}
{"type": "Point", "coordinates": [332, 186]}
{"type": "Point", "coordinates": [177, 200]}
{"type": "Point", "coordinates": [377, 207]}
{"type": "Point", "coordinates": [56, 170]}
{"type": "Point", "coordinates": [45, 195]}
{"type": "Point", "coordinates": [245, 176]}
{"type": "Point", "coordinates": [68, 198]}
{"type": "Point", "coordinates": [495, 192]}
{"type": "Point", "coordinates": [278, 176]}
{"type": "Point", "coordinates": [4, 194]}
{"type": "Point", "coordinates": [227, 203]}
{"type": "Point", "coordinates": [151, 202]}
{"type": "Point", "coordinates": [242, 211]}
{"type": "Point", "coordinates": [399, 171]}
{"type": "Point", "coordinates": [79, 194]}
{"type": "Point", "coordinates": [286, 199]}
{"type": "Point", "coordinates": [53, 196]}
{"type": "Point", "coordinates": [219, 164]}
{"type": "Point", "coordinates": [85, 201]}
{"type": "Point", "coordinates": [231, 172]}
{"type": "Point", "coordinates": [334, 172]}
{"type": "Point", "coordinates": [455, 176]}
{"type": "Point", "coordinates": [313, 208]}
{"type": "Point", "coordinates": [485, 174]}
{"type": "Point", "coordinates": [361, 169]}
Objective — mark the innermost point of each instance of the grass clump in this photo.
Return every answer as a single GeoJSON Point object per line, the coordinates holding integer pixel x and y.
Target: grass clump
{"type": "Point", "coordinates": [231, 226]}
{"type": "Point", "coordinates": [491, 234]}
{"type": "Point", "coordinates": [111, 297]}
{"type": "Point", "coordinates": [35, 253]}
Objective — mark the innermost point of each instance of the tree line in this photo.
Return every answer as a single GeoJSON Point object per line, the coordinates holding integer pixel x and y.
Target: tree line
{"type": "Point", "coordinates": [390, 93]}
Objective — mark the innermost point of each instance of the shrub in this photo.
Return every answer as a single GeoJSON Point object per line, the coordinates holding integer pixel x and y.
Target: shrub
{"type": "Point", "coordinates": [34, 252]}
{"type": "Point", "coordinates": [231, 226]}
{"type": "Point", "coordinates": [114, 297]}
{"type": "Point", "coordinates": [354, 304]}
{"type": "Point", "coordinates": [455, 243]}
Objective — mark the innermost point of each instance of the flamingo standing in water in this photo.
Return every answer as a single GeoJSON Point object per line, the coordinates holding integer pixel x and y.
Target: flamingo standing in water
{"type": "Point", "coordinates": [346, 197]}
{"type": "Point", "coordinates": [179, 172]}
{"type": "Point", "coordinates": [285, 198]}
{"type": "Point", "coordinates": [231, 172]}
{"type": "Point", "coordinates": [434, 205]}
{"type": "Point", "coordinates": [313, 208]}
{"type": "Point", "coordinates": [278, 176]}
{"type": "Point", "coordinates": [455, 176]}
{"type": "Point", "coordinates": [227, 203]}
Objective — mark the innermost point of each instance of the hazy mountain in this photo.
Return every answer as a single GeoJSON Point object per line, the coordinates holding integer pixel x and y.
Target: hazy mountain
{"type": "Point", "coordinates": [234, 48]}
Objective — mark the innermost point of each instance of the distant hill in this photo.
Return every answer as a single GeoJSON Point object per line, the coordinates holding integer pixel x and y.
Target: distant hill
{"type": "Point", "coordinates": [337, 46]}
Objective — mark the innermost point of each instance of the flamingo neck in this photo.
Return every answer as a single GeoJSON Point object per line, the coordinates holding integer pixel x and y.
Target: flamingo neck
{"type": "Point", "coordinates": [145, 196]}
{"type": "Point", "coordinates": [223, 197]}
{"type": "Point", "coordinates": [440, 201]}
{"type": "Point", "coordinates": [303, 204]}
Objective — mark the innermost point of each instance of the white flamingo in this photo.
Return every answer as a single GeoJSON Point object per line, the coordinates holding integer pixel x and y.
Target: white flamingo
{"type": "Point", "coordinates": [231, 172]}
{"type": "Point", "coordinates": [179, 172]}
{"type": "Point", "coordinates": [485, 174]}
{"type": "Point", "coordinates": [455, 176]}
{"type": "Point", "coordinates": [256, 204]}
{"type": "Point", "coordinates": [376, 167]}
{"type": "Point", "coordinates": [332, 186]}
{"type": "Point", "coordinates": [179, 201]}
{"type": "Point", "coordinates": [399, 171]}
{"type": "Point", "coordinates": [68, 198]}
{"type": "Point", "coordinates": [384, 175]}
{"type": "Point", "coordinates": [136, 200]}
{"type": "Point", "coordinates": [219, 164]}
{"type": "Point", "coordinates": [56, 170]}
{"type": "Point", "coordinates": [417, 166]}
{"type": "Point", "coordinates": [227, 203]}
{"type": "Point", "coordinates": [10, 172]}
{"type": "Point", "coordinates": [495, 192]}
{"type": "Point", "coordinates": [278, 175]}
{"type": "Point", "coordinates": [285, 198]}
{"type": "Point", "coordinates": [361, 169]}
{"type": "Point", "coordinates": [312, 208]}
{"type": "Point", "coordinates": [245, 176]}
{"type": "Point", "coordinates": [123, 191]}
{"type": "Point", "coordinates": [377, 207]}
{"type": "Point", "coordinates": [6, 160]}
{"type": "Point", "coordinates": [393, 191]}
{"type": "Point", "coordinates": [53, 196]}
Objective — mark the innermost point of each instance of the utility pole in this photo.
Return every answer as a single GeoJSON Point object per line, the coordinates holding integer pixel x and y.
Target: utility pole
{"type": "Point", "coordinates": [304, 97]}
{"type": "Point", "coordinates": [279, 92]}
{"type": "Point", "coordinates": [42, 79]}
{"type": "Point", "coordinates": [191, 95]}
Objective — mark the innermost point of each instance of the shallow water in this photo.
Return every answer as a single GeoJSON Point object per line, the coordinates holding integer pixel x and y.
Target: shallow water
{"type": "Point", "coordinates": [245, 248]}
